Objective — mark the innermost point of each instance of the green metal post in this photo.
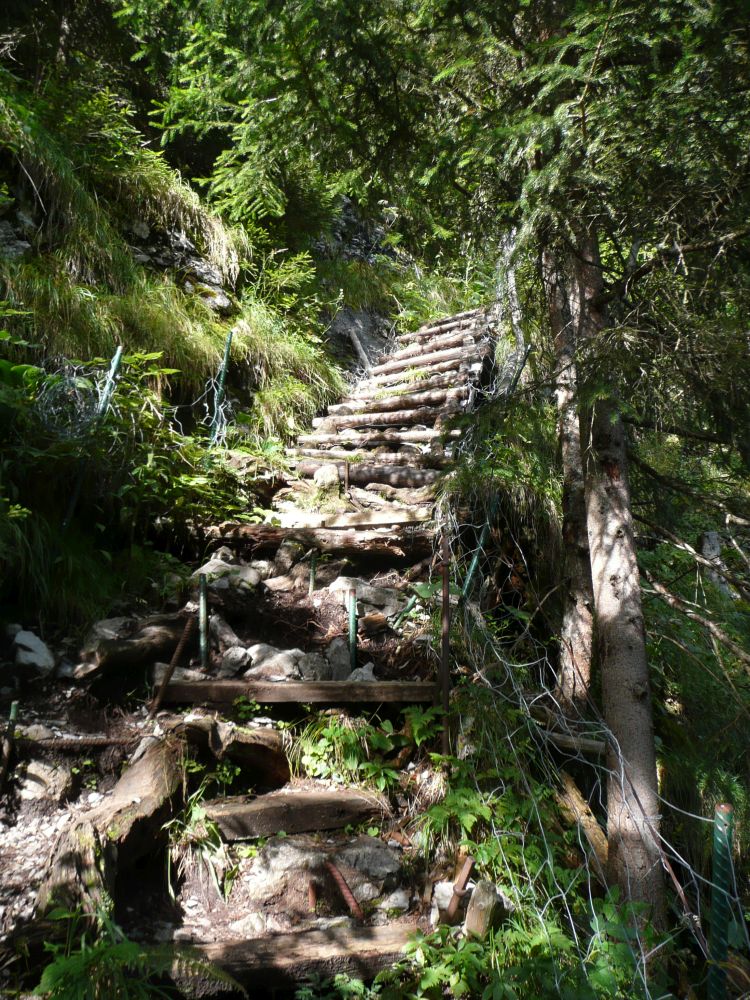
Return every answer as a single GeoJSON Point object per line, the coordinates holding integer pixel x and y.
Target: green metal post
{"type": "Point", "coordinates": [475, 559]}
{"type": "Point", "coordinates": [352, 598]}
{"type": "Point", "coordinates": [203, 619]}
{"type": "Point", "coordinates": [720, 902]}
{"type": "Point", "coordinates": [220, 388]}
{"type": "Point", "coordinates": [109, 388]}
{"type": "Point", "coordinates": [313, 568]}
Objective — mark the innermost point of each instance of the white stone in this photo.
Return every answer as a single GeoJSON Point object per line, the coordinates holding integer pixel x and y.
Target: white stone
{"type": "Point", "coordinates": [45, 781]}
{"type": "Point", "coordinates": [398, 900]}
{"type": "Point", "coordinates": [442, 894]}
{"type": "Point", "coordinates": [326, 478]}
{"type": "Point", "coordinates": [32, 652]}
{"type": "Point", "coordinates": [261, 651]}
{"type": "Point", "coordinates": [365, 673]}
{"type": "Point", "coordinates": [234, 660]}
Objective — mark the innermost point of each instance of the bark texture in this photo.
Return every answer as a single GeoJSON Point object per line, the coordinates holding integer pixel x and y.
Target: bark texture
{"type": "Point", "coordinates": [576, 632]}
{"type": "Point", "coordinates": [632, 802]}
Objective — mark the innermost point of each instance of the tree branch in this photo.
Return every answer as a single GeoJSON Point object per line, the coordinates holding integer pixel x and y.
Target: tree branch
{"type": "Point", "coordinates": [679, 604]}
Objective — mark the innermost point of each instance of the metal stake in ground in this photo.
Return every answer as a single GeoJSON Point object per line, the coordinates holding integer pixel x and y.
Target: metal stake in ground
{"type": "Point", "coordinates": [720, 902]}
{"type": "Point", "coordinates": [351, 596]}
{"type": "Point", "coordinates": [10, 734]}
{"type": "Point", "coordinates": [174, 662]}
{"type": "Point", "coordinates": [203, 619]}
{"type": "Point", "coordinates": [220, 386]}
{"type": "Point", "coordinates": [445, 648]}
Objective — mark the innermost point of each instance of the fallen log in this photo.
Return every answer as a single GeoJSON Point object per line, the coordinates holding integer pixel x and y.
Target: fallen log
{"type": "Point", "coordinates": [282, 961]}
{"type": "Point", "coordinates": [260, 538]}
{"type": "Point", "coordinates": [293, 810]}
{"type": "Point", "coordinates": [576, 811]}
{"type": "Point", "coordinates": [300, 692]}
{"type": "Point", "coordinates": [399, 401]}
{"type": "Point", "coordinates": [366, 473]}
{"type": "Point", "coordinates": [124, 827]}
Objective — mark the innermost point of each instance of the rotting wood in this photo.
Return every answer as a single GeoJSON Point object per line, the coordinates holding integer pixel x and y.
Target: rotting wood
{"type": "Point", "coordinates": [154, 638]}
{"type": "Point", "coordinates": [365, 473]}
{"type": "Point", "coordinates": [576, 811]}
{"type": "Point", "coordinates": [260, 751]}
{"type": "Point", "coordinates": [485, 911]}
{"type": "Point", "coordinates": [89, 852]}
{"type": "Point", "coordinates": [294, 810]}
{"type": "Point", "coordinates": [301, 692]}
{"type": "Point", "coordinates": [407, 543]}
{"type": "Point", "coordinates": [283, 960]}
{"type": "Point", "coordinates": [576, 744]}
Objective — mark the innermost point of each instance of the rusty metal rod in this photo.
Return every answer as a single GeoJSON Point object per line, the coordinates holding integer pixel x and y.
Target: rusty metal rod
{"type": "Point", "coordinates": [346, 892]}
{"type": "Point", "coordinates": [459, 889]}
{"type": "Point", "coordinates": [445, 646]}
{"type": "Point", "coordinates": [10, 733]}
{"type": "Point", "coordinates": [176, 657]}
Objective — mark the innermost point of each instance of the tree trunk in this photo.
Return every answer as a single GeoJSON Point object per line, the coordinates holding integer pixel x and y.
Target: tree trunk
{"type": "Point", "coordinates": [632, 801]}
{"type": "Point", "coordinates": [574, 669]}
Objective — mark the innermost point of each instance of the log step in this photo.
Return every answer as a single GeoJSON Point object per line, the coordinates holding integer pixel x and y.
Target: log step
{"type": "Point", "coordinates": [282, 961]}
{"type": "Point", "coordinates": [262, 538]}
{"type": "Point", "coordinates": [422, 360]}
{"type": "Point", "coordinates": [355, 519]}
{"type": "Point", "coordinates": [413, 458]}
{"type": "Point", "coordinates": [363, 474]}
{"type": "Point", "coordinates": [447, 380]}
{"type": "Point", "coordinates": [460, 362]}
{"type": "Point", "coordinates": [293, 810]}
{"type": "Point", "coordinates": [401, 401]}
{"type": "Point", "coordinates": [301, 692]}
{"type": "Point", "coordinates": [377, 438]}
{"type": "Point", "coordinates": [419, 415]}
{"type": "Point", "coordinates": [452, 338]}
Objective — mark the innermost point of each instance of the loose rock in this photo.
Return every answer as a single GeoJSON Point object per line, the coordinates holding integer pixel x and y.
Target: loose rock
{"type": "Point", "coordinates": [32, 653]}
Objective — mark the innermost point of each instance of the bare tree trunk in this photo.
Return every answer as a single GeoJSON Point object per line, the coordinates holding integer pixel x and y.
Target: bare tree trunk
{"type": "Point", "coordinates": [632, 801]}
{"type": "Point", "coordinates": [574, 668]}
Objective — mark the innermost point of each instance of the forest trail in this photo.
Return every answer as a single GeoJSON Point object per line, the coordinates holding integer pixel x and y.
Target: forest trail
{"type": "Point", "coordinates": [310, 608]}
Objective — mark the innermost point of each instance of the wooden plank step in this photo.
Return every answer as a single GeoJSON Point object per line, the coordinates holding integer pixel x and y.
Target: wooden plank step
{"type": "Point", "coordinates": [261, 538]}
{"type": "Point", "coordinates": [419, 415]}
{"type": "Point", "coordinates": [446, 321]}
{"type": "Point", "coordinates": [281, 961]}
{"type": "Point", "coordinates": [429, 334]}
{"type": "Point", "coordinates": [293, 810]}
{"type": "Point", "coordinates": [300, 692]}
{"type": "Point", "coordinates": [413, 458]}
{"type": "Point", "coordinates": [402, 401]}
{"type": "Point", "coordinates": [385, 437]}
{"type": "Point", "coordinates": [364, 473]}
